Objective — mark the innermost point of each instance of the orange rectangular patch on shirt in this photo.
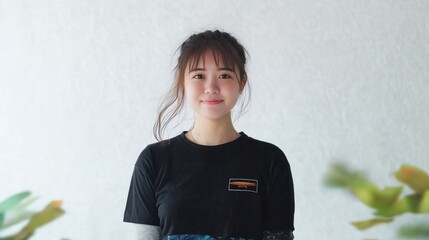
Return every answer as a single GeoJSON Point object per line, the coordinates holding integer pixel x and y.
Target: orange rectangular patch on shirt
{"type": "Point", "coordinates": [243, 184]}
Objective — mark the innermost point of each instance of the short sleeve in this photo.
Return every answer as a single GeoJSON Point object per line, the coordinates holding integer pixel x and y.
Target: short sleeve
{"type": "Point", "coordinates": [280, 203]}
{"type": "Point", "coordinates": [141, 203]}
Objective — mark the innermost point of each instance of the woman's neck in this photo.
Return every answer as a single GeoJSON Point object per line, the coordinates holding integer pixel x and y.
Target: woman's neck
{"type": "Point", "coordinates": [212, 132]}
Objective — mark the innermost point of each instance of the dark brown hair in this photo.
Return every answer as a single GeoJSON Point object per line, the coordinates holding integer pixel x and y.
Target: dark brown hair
{"type": "Point", "coordinates": [222, 45]}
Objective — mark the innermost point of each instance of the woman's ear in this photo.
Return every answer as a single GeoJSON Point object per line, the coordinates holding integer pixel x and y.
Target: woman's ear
{"type": "Point", "coordinates": [243, 83]}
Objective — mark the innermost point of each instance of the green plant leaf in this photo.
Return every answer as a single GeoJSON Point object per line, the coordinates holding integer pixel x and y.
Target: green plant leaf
{"type": "Point", "coordinates": [12, 201]}
{"type": "Point", "coordinates": [414, 177]}
{"type": "Point", "coordinates": [366, 191]}
{"type": "Point", "coordinates": [9, 203]}
{"type": "Point", "coordinates": [18, 213]}
{"type": "Point", "coordinates": [424, 203]}
{"type": "Point", "coordinates": [24, 203]}
{"type": "Point", "coordinates": [17, 217]}
{"type": "Point", "coordinates": [49, 213]}
{"type": "Point", "coordinates": [7, 238]}
{"type": "Point", "coordinates": [414, 231]}
{"type": "Point", "coordinates": [362, 225]}
{"type": "Point", "coordinates": [338, 176]}
{"type": "Point", "coordinates": [409, 203]}
{"type": "Point", "coordinates": [376, 198]}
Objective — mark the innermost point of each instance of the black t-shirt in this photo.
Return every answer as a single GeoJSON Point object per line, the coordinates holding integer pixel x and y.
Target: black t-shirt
{"type": "Point", "coordinates": [242, 189]}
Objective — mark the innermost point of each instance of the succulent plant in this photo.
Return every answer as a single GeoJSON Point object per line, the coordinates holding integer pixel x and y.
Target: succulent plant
{"type": "Point", "coordinates": [387, 202]}
{"type": "Point", "coordinates": [13, 210]}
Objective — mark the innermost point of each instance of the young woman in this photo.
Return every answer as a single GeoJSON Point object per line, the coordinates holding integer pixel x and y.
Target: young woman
{"type": "Point", "coordinates": [210, 182]}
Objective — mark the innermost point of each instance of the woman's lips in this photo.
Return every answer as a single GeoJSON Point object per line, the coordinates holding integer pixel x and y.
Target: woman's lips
{"type": "Point", "coordinates": [212, 102]}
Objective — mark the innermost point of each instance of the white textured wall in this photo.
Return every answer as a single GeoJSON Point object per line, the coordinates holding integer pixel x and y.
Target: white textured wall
{"type": "Point", "coordinates": [80, 82]}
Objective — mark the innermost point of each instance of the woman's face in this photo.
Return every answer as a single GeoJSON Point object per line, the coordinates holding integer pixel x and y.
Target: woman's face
{"type": "Point", "coordinates": [212, 90]}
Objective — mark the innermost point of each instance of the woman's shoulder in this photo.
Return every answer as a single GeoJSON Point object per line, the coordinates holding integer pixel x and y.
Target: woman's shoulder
{"type": "Point", "coordinates": [263, 144]}
{"type": "Point", "coordinates": [272, 154]}
{"type": "Point", "coordinates": [161, 145]}
{"type": "Point", "coordinates": [156, 149]}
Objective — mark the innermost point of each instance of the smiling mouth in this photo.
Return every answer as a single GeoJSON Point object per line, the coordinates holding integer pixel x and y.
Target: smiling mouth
{"type": "Point", "coordinates": [214, 102]}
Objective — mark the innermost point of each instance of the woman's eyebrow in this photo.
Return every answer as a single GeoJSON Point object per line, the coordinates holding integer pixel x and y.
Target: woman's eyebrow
{"type": "Point", "coordinates": [227, 69]}
{"type": "Point", "coordinates": [197, 69]}
{"type": "Point", "coordinates": [203, 69]}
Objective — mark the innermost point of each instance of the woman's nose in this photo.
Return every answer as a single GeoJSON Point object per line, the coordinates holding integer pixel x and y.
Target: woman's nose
{"type": "Point", "coordinates": [211, 85]}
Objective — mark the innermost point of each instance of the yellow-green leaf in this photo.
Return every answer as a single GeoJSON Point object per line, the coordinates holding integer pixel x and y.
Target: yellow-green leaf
{"type": "Point", "coordinates": [51, 212]}
{"type": "Point", "coordinates": [408, 203]}
{"type": "Point", "coordinates": [362, 225]}
{"type": "Point", "coordinates": [376, 198]}
{"type": "Point", "coordinates": [414, 177]}
{"type": "Point", "coordinates": [424, 203]}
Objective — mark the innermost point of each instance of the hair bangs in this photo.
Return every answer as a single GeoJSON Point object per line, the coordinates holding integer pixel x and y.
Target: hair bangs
{"type": "Point", "coordinates": [222, 53]}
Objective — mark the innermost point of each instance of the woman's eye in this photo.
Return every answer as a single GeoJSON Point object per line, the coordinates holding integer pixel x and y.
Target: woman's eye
{"type": "Point", "coordinates": [198, 76]}
{"type": "Point", "coordinates": [225, 76]}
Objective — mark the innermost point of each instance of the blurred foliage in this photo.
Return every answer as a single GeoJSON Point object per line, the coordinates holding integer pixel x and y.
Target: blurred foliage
{"type": "Point", "coordinates": [414, 230]}
{"type": "Point", "coordinates": [387, 202]}
{"type": "Point", "coordinates": [13, 210]}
